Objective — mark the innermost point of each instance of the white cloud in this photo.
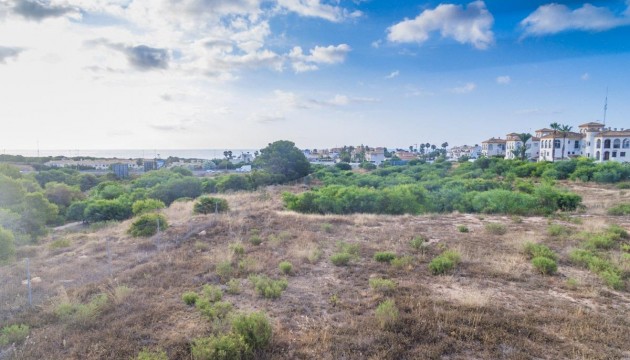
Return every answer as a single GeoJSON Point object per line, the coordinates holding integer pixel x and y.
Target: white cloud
{"type": "Point", "coordinates": [393, 74]}
{"type": "Point", "coordinates": [504, 80]}
{"type": "Point", "coordinates": [377, 43]}
{"type": "Point", "coordinates": [467, 25]}
{"type": "Point", "coordinates": [555, 18]}
{"type": "Point", "coordinates": [464, 89]}
{"type": "Point", "coordinates": [318, 55]}
{"type": "Point", "coordinates": [585, 76]}
{"type": "Point", "coordinates": [315, 8]}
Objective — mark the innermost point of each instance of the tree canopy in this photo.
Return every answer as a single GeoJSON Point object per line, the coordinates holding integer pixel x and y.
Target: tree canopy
{"type": "Point", "coordinates": [283, 160]}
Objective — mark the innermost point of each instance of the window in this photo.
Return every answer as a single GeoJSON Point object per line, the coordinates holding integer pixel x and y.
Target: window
{"type": "Point", "coordinates": [556, 143]}
{"type": "Point", "coordinates": [599, 143]}
{"type": "Point", "coordinates": [597, 155]}
{"type": "Point", "coordinates": [607, 144]}
{"type": "Point", "coordinates": [622, 154]}
{"type": "Point", "coordinates": [616, 144]}
{"type": "Point", "coordinates": [614, 154]}
{"type": "Point", "coordinates": [577, 145]}
{"type": "Point", "coordinates": [626, 143]}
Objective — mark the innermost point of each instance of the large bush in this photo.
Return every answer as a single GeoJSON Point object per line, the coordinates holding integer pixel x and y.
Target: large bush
{"type": "Point", "coordinates": [208, 205]}
{"type": "Point", "coordinates": [146, 206]}
{"type": "Point", "coordinates": [283, 159]}
{"type": "Point", "coordinates": [7, 245]}
{"type": "Point", "coordinates": [105, 210]}
{"type": "Point", "coordinates": [254, 328]}
{"type": "Point", "coordinates": [147, 225]}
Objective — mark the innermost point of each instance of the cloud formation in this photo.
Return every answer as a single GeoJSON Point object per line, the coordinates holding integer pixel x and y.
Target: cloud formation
{"type": "Point", "coordinates": [140, 57]}
{"type": "Point", "coordinates": [315, 8]}
{"type": "Point", "coordinates": [393, 74]}
{"type": "Point", "coordinates": [555, 18]}
{"type": "Point", "coordinates": [504, 80]}
{"type": "Point", "coordinates": [38, 10]}
{"type": "Point", "coordinates": [467, 25]}
{"type": "Point", "coordinates": [318, 55]}
{"type": "Point", "coordinates": [464, 89]}
{"type": "Point", "coordinates": [8, 52]}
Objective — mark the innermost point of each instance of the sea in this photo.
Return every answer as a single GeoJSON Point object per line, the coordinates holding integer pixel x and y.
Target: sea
{"type": "Point", "coordinates": [129, 153]}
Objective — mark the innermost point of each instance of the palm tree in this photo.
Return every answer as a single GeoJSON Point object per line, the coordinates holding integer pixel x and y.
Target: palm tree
{"type": "Point", "coordinates": [564, 129]}
{"type": "Point", "coordinates": [521, 151]}
{"type": "Point", "coordinates": [444, 146]}
{"type": "Point", "coordinates": [556, 127]}
{"type": "Point", "coordinates": [422, 146]}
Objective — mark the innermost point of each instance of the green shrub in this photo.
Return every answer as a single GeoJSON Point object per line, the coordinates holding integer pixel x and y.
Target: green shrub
{"type": "Point", "coordinates": [147, 225]}
{"type": "Point", "coordinates": [545, 265]}
{"type": "Point", "coordinates": [619, 210]}
{"type": "Point", "coordinates": [387, 314]}
{"type": "Point", "coordinates": [382, 285]}
{"type": "Point", "coordinates": [208, 205]}
{"type": "Point", "coordinates": [462, 228]}
{"type": "Point", "coordinates": [146, 354]}
{"type": "Point", "coordinates": [60, 244]}
{"type": "Point", "coordinates": [623, 185]}
{"type": "Point", "coordinates": [326, 227]}
{"type": "Point", "coordinates": [14, 334]}
{"type": "Point", "coordinates": [417, 243]}
{"type": "Point", "coordinates": [599, 241]}
{"type": "Point", "coordinates": [558, 230]}
{"type": "Point", "coordinates": [212, 293]}
{"type": "Point", "coordinates": [384, 256]}
{"type": "Point", "coordinates": [146, 206]}
{"type": "Point", "coordinates": [285, 267]}
{"type": "Point", "coordinates": [341, 259]}
{"type": "Point", "coordinates": [352, 249]}
{"type": "Point", "coordinates": [444, 262]}
{"type": "Point", "coordinates": [401, 262]}
{"type": "Point", "coordinates": [255, 329]}
{"type": "Point", "coordinates": [268, 288]}
{"type": "Point", "coordinates": [213, 310]}
{"type": "Point", "coordinates": [612, 279]}
{"type": "Point", "coordinates": [7, 245]}
{"type": "Point", "coordinates": [255, 240]}
{"type": "Point", "coordinates": [237, 249]}
{"type": "Point", "coordinates": [618, 232]}
{"type": "Point", "coordinates": [496, 228]}
{"type": "Point", "coordinates": [533, 250]}
{"type": "Point", "coordinates": [224, 270]}
{"type": "Point", "coordinates": [82, 314]}
{"type": "Point", "coordinates": [234, 286]}
{"type": "Point", "coordinates": [190, 297]}
{"type": "Point", "coordinates": [222, 347]}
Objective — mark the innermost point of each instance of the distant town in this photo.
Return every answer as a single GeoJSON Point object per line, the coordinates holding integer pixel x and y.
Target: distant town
{"type": "Point", "coordinates": [593, 140]}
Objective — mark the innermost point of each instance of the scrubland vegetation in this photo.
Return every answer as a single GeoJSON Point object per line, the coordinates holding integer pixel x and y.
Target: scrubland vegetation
{"type": "Point", "coordinates": [491, 259]}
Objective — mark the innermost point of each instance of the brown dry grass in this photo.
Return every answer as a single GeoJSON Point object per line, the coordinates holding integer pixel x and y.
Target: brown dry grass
{"type": "Point", "coordinates": [492, 306]}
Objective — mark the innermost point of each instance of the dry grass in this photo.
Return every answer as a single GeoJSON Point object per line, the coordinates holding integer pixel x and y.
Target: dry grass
{"type": "Point", "coordinates": [494, 305]}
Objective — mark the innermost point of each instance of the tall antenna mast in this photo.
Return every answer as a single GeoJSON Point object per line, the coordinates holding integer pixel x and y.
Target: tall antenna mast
{"type": "Point", "coordinates": [606, 105]}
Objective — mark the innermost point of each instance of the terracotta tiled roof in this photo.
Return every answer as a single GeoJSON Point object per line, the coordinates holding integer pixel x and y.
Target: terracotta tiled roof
{"type": "Point", "coordinates": [559, 135]}
{"type": "Point", "coordinates": [591, 124]}
{"type": "Point", "coordinates": [544, 130]}
{"type": "Point", "coordinates": [494, 141]}
{"type": "Point", "coordinates": [624, 133]}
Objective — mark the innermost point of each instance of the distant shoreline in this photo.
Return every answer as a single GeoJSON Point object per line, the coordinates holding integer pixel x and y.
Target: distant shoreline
{"type": "Point", "coordinates": [207, 154]}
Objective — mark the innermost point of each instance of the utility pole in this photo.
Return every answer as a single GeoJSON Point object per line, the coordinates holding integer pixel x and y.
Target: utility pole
{"type": "Point", "coordinates": [606, 105]}
{"type": "Point", "coordinates": [28, 282]}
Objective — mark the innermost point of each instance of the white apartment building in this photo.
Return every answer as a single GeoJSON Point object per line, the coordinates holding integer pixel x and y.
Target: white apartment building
{"type": "Point", "coordinates": [605, 144]}
{"type": "Point", "coordinates": [493, 147]}
{"type": "Point", "coordinates": [513, 143]}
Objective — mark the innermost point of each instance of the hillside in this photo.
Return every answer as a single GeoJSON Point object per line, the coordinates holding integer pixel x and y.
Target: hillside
{"type": "Point", "coordinates": [493, 304]}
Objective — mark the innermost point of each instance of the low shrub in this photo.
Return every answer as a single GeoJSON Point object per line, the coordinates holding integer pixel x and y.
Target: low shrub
{"type": "Point", "coordinates": [599, 241]}
{"type": "Point", "coordinates": [496, 228]}
{"type": "Point", "coordinates": [209, 205]}
{"type": "Point", "coordinates": [619, 210]}
{"type": "Point", "coordinates": [222, 347]}
{"type": "Point", "coordinates": [341, 259]}
{"type": "Point", "coordinates": [381, 285]}
{"type": "Point", "coordinates": [444, 263]}
{"type": "Point", "coordinates": [14, 334]}
{"type": "Point", "coordinates": [190, 298]}
{"type": "Point", "coordinates": [237, 249]}
{"type": "Point", "coordinates": [146, 206]}
{"type": "Point", "coordinates": [234, 286]}
{"type": "Point", "coordinates": [285, 267]}
{"type": "Point", "coordinates": [7, 245]}
{"type": "Point", "coordinates": [417, 243]}
{"type": "Point", "coordinates": [402, 262]}
{"type": "Point", "coordinates": [352, 249]}
{"type": "Point", "coordinates": [146, 354]}
{"type": "Point", "coordinates": [384, 256]}
{"type": "Point", "coordinates": [148, 225]}
{"type": "Point", "coordinates": [213, 310]}
{"type": "Point", "coordinates": [618, 232]}
{"type": "Point", "coordinates": [558, 230]}
{"type": "Point", "coordinates": [533, 250]}
{"type": "Point", "coordinates": [224, 270]}
{"type": "Point", "coordinates": [82, 314]}
{"type": "Point", "coordinates": [462, 228]}
{"type": "Point", "coordinates": [212, 293]}
{"type": "Point", "coordinates": [326, 227]}
{"type": "Point", "coordinates": [59, 244]}
{"type": "Point", "coordinates": [255, 240]}
{"type": "Point", "coordinates": [387, 314]}
{"type": "Point", "coordinates": [545, 265]}
{"type": "Point", "coordinates": [255, 329]}
{"type": "Point", "coordinates": [268, 288]}
{"type": "Point", "coordinates": [612, 279]}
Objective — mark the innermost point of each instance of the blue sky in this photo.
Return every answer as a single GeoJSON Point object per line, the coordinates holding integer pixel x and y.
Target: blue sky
{"type": "Point", "coordinates": [85, 74]}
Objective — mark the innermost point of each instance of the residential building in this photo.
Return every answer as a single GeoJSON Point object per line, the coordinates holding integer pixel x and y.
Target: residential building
{"type": "Point", "coordinates": [456, 152]}
{"type": "Point", "coordinates": [493, 147]}
{"type": "Point", "coordinates": [513, 143]}
{"type": "Point", "coordinates": [558, 146]}
{"type": "Point", "coordinates": [605, 144]}
{"type": "Point", "coordinates": [375, 156]}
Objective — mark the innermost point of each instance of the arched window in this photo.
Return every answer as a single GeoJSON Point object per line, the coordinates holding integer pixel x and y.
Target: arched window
{"type": "Point", "coordinates": [599, 145]}
{"type": "Point", "coordinates": [616, 144]}
{"type": "Point", "coordinates": [607, 144]}
{"type": "Point", "coordinates": [597, 155]}
{"type": "Point", "coordinates": [626, 143]}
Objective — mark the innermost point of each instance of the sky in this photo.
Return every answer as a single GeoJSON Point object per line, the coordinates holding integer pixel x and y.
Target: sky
{"type": "Point", "coordinates": [211, 74]}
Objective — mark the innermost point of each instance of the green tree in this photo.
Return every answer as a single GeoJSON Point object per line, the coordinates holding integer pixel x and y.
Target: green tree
{"type": "Point", "coordinates": [36, 212]}
{"type": "Point", "coordinates": [284, 160]}
{"type": "Point", "coordinates": [7, 245]}
{"type": "Point", "coordinates": [564, 130]}
{"type": "Point", "coordinates": [11, 192]}
{"type": "Point", "coordinates": [11, 171]}
{"type": "Point", "coordinates": [520, 152]}
{"type": "Point", "coordinates": [62, 195]}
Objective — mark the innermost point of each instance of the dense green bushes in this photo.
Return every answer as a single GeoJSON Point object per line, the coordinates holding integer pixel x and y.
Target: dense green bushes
{"type": "Point", "coordinates": [208, 205]}
{"type": "Point", "coordinates": [148, 225]}
{"type": "Point", "coordinates": [7, 245]}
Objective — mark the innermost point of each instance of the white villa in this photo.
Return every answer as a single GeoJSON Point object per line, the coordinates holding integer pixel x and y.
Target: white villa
{"type": "Point", "coordinates": [493, 147]}
{"type": "Point", "coordinates": [513, 143]}
{"type": "Point", "coordinates": [375, 156]}
{"type": "Point", "coordinates": [457, 152]}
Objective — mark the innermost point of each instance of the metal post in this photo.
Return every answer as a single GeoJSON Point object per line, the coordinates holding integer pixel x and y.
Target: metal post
{"type": "Point", "coordinates": [216, 207]}
{"type": "Point", "coordinates": [28, 282]}
{"type": "Point", "coordinates": [158, 233]}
